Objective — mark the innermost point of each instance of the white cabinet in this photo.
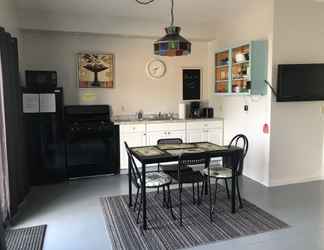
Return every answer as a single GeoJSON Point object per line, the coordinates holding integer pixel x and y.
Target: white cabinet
{"type": "Point", "coordinates": [177, 134]}
{"type": "Point", "coordinates": [148, 133]}
{"type": "Point", "coordinates": [153, 137]}
{"type": "Point", "coordinates": [195, 136]}
{"type": "Point", "coordinates": [135, 136]}
{"type": "Point", "coordinates": [206, 131]}
{"type": "Point", "coordinates": [156, 131]}
{"type": "Point", "coordinates": [211, 131]}
{"type": "Point", "coordinates": [215, 135]}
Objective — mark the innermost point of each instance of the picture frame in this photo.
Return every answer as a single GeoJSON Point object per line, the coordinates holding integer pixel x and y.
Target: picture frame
{"type": "Point", "coordinates": [96, 70]}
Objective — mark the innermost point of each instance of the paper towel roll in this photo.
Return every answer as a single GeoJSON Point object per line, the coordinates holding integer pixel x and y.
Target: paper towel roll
{"type": "Point", "coordinates": [182, 111]}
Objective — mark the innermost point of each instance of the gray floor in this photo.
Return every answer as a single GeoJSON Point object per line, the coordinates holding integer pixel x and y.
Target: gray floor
{"type": "Point", "coordinates": [75, 219]}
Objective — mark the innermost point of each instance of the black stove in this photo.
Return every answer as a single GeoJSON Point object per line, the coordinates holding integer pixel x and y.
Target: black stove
{"type": "Point", "coordinates": [92, 141]}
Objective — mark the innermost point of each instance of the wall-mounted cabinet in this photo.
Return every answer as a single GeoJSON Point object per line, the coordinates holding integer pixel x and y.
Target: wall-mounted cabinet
{"type": "Point", "coordinates": [242, 70]}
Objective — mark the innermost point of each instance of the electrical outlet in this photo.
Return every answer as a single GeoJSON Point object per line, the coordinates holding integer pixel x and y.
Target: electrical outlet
{"type": "Point", "coordinates": [246, 108]}
{"type": "Point", "coordinates": [123, 108]}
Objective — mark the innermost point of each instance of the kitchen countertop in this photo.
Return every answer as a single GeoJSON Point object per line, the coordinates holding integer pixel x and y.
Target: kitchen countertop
{"type": "Point", "coordinates": [145, 121]}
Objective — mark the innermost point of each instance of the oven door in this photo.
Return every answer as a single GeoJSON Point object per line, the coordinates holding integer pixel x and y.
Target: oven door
{"type": "Point", "coordinates": [90, 154]}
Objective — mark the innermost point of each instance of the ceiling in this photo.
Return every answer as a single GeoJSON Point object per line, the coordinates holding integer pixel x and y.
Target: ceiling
{"type": "Point", "coordinates": [191, 11]}
{"type": "Point", "coordinates": [199, 19]}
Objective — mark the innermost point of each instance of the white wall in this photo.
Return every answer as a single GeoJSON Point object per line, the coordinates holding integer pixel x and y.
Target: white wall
{"type": "Point", "coordinates": [256, 26]}
{"type": "Point", "coordinates": [8, 16]}
{"type": "Point", "coordinates": [297, 127]}
{"type": "Point", "coordinates": [134, 90]}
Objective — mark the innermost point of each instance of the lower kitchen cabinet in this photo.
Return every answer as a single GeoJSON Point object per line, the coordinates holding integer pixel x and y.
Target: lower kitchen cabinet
{"type": "Point", "coordinates": [133, 139]}
{"type": "Point", "coordinates": [153, 137]}
{"type": "Point", "coordinates": [156, 131]}
{"type": "Point", "coordinates": [205, 131]}
{"type": "Point", "coordinates": [215, 135]}
{"type": "Point", "coordinates": [196, 136]}
{"type": "Point", "coordinates": [148, 133]}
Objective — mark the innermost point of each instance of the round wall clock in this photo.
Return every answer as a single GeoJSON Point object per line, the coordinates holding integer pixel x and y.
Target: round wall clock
{"type": "Point", "coordinates": [156, 69]}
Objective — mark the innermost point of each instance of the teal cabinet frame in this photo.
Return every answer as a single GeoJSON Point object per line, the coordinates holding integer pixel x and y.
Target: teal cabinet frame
{"type": "Point", "coordinates": [258, 64]}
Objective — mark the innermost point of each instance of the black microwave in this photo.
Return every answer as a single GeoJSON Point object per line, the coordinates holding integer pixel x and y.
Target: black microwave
{"type": "Point", "coordinates": [41, 79]}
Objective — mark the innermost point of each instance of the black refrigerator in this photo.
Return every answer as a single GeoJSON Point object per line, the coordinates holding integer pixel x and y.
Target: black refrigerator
{"type": "Point", "coordinates": [44, 129]}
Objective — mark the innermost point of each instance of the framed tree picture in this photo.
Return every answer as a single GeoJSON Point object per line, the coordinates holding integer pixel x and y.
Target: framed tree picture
{"type": "Point", "coordinates": [95, 70]}
{"type": "Point", "coordinates": [191, 84]}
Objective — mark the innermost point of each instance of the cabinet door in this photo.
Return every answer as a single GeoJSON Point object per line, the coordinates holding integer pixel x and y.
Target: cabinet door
{"type": "Point", "coordinates": [133, 140]}
{"type": "Point", "coordinates": [196, 135]}
{"type": "Point", "coordinates": [153, 137]}
{"type": "Point", "coordinates": [215, 136]}
{"type": "Point", "coordinates": [177, 134]}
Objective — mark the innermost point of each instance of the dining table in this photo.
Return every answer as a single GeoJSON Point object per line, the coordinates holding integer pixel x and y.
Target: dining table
{"type": "Point", "coordinates": [155, 154]}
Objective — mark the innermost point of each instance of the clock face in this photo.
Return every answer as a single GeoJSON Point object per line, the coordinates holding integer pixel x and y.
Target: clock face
{"type": "Point", "coordinates": [156, 69]}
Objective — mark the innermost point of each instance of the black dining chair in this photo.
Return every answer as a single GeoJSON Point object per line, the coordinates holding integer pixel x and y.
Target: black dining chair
{"type": "Point", "coordinates": [152, 180]}
{"type": "Point", "coordinates": [167, 166]}
{"type": "Point", "coordinates": [173, 167]}
{"type": "Point", "coordinates": [186, 175]}
{"type": "Point", "coordinates": [224, 172]}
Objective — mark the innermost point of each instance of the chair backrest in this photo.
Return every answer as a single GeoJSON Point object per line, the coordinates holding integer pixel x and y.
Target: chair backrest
{"type": "Point", "coordinates": [170, 141]}
{"type": "Point", "coordinates": [241, 141]}
{"type": "Point", "coordinates": [192, 159]}
{"type": "Point", "coordinates": [135, 173]}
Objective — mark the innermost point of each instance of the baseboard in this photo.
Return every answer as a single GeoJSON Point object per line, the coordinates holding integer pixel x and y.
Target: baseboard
{"type": "Point", "coordinates": [124, 171]}
{"type": "Point", "coordinates": [263, 183]}
{"type": "Point", "coordinates": [253, 178]}
{"type": "Point", "coordinates": [283, 182]}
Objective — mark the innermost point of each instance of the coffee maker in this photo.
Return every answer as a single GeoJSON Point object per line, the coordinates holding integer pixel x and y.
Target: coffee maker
{"type": "Point", "coordinates": [194, 110]}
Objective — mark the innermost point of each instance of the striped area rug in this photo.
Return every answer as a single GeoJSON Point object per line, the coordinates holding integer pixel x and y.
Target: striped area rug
{"type": "Point", "coordinates": [165, 233]}
{"type": "Point", "coordinates": [30, 238]}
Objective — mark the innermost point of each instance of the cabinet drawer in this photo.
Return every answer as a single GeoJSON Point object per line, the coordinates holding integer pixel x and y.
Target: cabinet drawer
{"type": "Point", "coordinates": [132, 128]}
{"type": "Point", "coordinates": [215, 124]}
{"type": "Point", "coordinates": [195, 125]}
{"type": "Point", "coordinates": [171, 126]}
{"type": "Point", "coordinates": [204, 125]}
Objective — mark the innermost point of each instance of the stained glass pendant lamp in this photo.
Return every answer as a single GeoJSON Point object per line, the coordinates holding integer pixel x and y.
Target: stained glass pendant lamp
{"type": "Point", "coordinates": [172, 44]}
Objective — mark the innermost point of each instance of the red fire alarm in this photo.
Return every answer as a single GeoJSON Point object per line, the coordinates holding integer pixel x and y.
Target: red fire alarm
{"type": "Point", "coordinates": [265, 128]}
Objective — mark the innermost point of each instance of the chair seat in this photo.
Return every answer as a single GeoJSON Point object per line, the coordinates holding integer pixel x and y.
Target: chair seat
{"type": "Point", "coordinates": [219, 172]}
{"type": "Point", "coordinates": [187, 176]}
{"type": "Point", "coordinates": [169, 167]}
{"type": "Point", "coordinates": [156, 179]}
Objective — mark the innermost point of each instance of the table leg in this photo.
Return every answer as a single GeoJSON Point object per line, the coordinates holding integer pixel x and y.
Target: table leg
{"type": "Point", "coordinates": [144, 196]}
{"type": "Point", "coordinates": [211, 208]}
{"type": "Point", "coordinates": [130, 196]}
{"type": "Point", "coordinates": [234, 166]}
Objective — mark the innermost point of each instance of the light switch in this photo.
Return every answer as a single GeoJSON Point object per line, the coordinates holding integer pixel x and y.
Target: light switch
{"type": "Point", "coordinates": [322, 109]}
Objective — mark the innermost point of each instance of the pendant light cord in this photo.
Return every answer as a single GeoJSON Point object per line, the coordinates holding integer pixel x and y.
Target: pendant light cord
{"type": "Point", "coordinates": [172, 12]}
{"type": "Point", "coordinates": [151, 1]}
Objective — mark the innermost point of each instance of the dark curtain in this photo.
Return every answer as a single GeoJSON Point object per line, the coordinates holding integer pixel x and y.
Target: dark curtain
{"type": "Point", "coordinates": [2, 235]}
{"type": "Point", "coordinates": [16, 180]}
